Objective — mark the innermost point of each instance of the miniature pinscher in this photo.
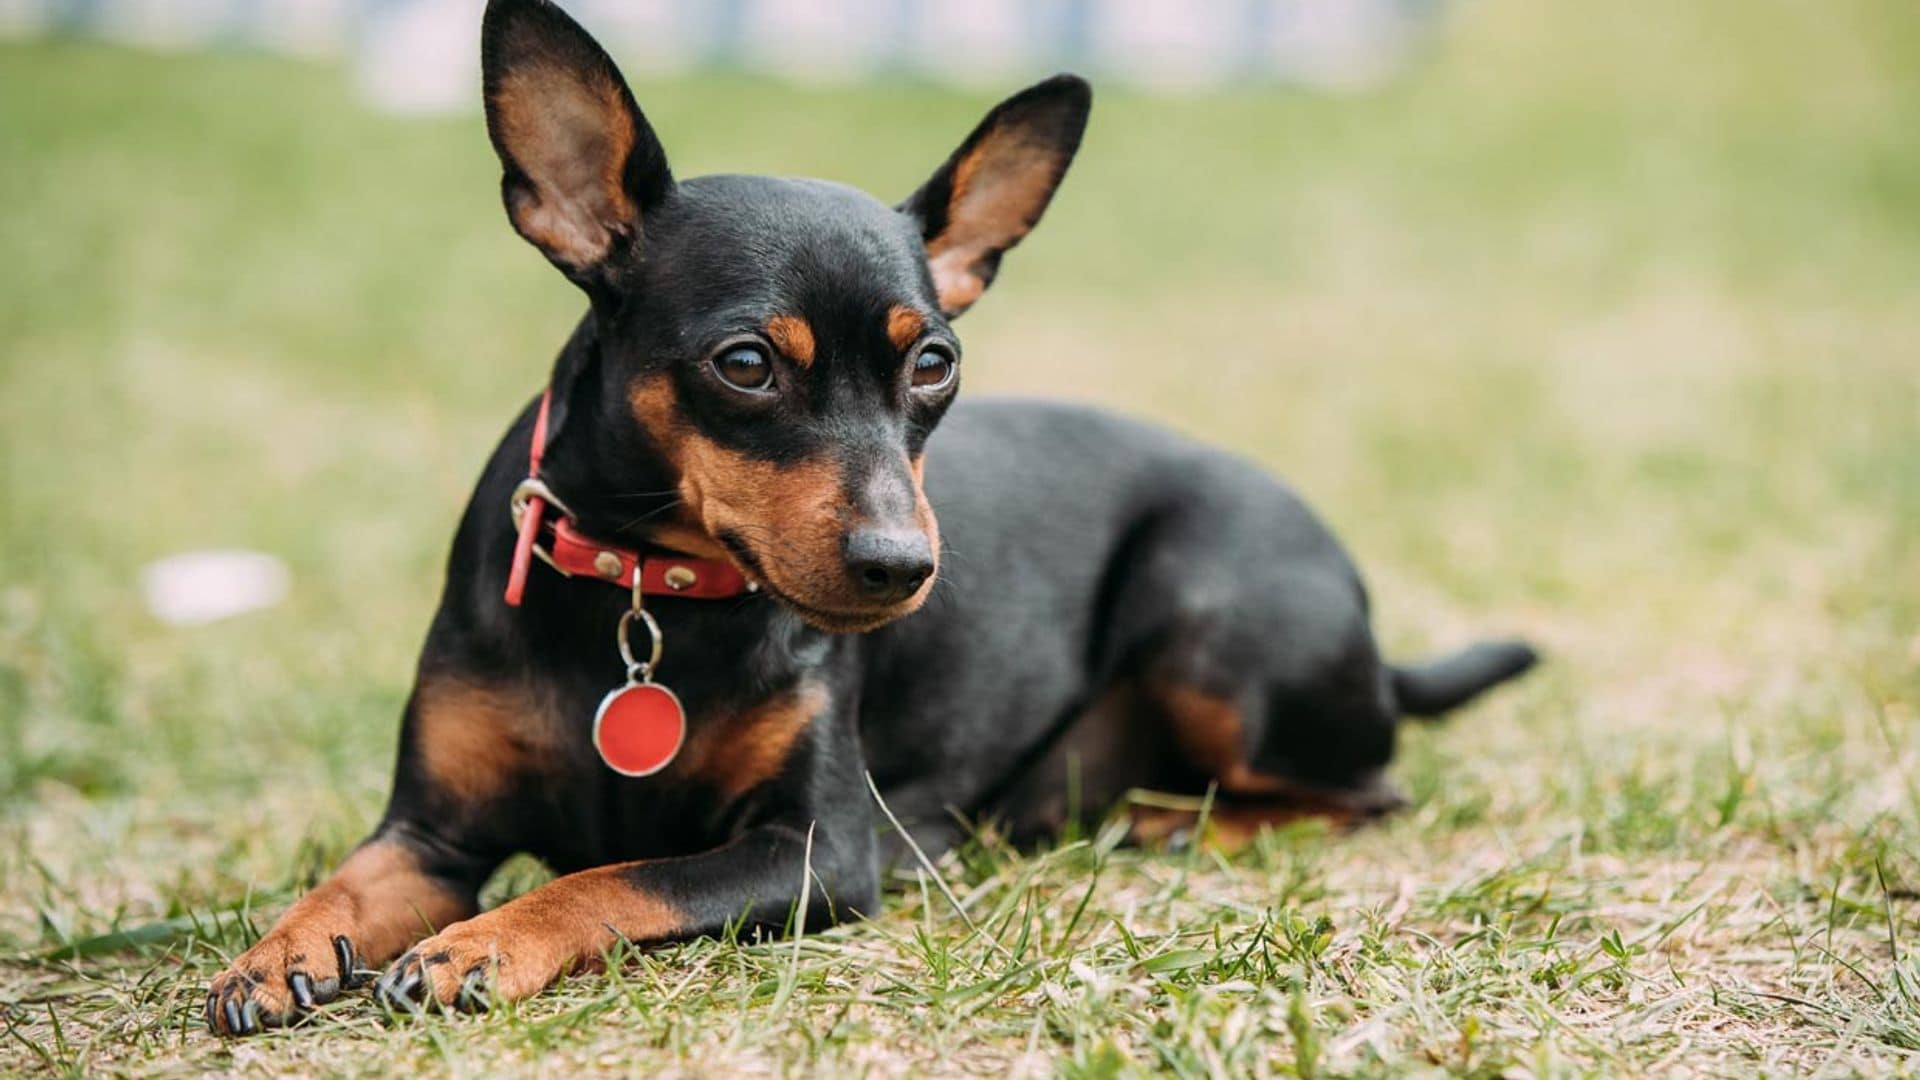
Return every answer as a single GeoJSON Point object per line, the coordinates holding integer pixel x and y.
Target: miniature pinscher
{"type": "Point", "coordinates": [697, 613]}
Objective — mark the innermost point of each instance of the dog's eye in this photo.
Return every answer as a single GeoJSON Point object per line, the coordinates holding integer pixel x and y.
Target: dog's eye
{"type": "Point", "coordinates": [745, 367]}
{"type": "Point", "coordinates": [933, 368]}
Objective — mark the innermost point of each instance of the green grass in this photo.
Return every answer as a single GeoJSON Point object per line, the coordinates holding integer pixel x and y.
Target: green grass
{"type": "Point", "coordinates": [1602, 326]}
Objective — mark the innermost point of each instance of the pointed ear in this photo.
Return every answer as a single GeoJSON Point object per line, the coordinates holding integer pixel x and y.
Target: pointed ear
{"type": "Point", "coordinates": [582, 166]}
{"type": "Point", "coordinates": [995, 187]}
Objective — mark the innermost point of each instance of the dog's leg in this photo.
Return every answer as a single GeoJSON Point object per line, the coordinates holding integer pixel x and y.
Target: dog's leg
{"type": "Point", "coordinates": [754, 881]}
{"type": "Point", "coordinates": [449, 823]}
{"type": "Point", "coordinates": [1234, 826]}
{"type": "Point", "coordinates": [390, 892]}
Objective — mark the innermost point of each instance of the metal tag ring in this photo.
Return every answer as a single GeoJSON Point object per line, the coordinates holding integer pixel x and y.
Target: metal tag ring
{"type": "Point", "coordinates": [635, 667]}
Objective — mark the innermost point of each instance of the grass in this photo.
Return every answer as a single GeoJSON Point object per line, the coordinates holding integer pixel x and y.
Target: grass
{"type": "Point", "coordinates": [1600, 326]}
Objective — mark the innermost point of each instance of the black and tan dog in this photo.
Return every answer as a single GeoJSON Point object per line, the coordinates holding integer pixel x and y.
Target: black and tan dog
{"type": "Point", "coordinates": [744, 420]}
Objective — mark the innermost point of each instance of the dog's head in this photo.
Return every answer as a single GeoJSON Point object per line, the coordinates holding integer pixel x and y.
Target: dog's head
{"type": "Point", "coordinates": [766, 357]}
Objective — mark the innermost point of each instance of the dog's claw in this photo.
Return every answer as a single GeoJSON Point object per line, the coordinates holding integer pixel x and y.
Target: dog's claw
{"type": "Point", "coordinates": [392, 1000]}
{"type": "Point", "coordinates": [235, 1019]}
{"type": "Point", "coordinates": [282, 980]}
{"type": "Point", "coordinates": [395, 990]}
{"type": "Point", "coordinates": [350, 977]}
{"type": "Point", "coordinates": [473, 992]}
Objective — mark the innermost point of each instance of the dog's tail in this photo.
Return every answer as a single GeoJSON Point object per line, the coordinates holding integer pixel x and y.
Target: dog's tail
{"type": "Point", "coordinates": [1427, 690]}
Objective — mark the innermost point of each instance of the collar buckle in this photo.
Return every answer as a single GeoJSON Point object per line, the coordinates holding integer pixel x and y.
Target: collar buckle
{"type": "Point", "coordinates": [572, 554]}
{"type": "Point", "coordinates": [526, 495]}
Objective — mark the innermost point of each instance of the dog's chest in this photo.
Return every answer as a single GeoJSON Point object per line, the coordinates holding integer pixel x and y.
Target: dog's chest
{"type": "Point", "coordinates": [733, 754]}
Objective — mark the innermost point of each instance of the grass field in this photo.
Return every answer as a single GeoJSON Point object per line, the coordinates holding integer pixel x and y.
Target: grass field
{"type": "Point", "coordinates": [1602, 326]}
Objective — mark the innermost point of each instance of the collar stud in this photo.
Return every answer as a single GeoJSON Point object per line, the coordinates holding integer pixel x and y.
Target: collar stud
{"type": "Point", "coordinates": [681, 578]}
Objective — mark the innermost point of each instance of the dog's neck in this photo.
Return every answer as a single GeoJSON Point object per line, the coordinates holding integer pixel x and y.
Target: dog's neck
{"type": "Point", "coordinates": [612, 475]}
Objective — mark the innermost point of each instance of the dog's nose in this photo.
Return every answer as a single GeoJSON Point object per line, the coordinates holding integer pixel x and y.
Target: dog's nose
{"type": "Point", "coordinates": [888, 565]}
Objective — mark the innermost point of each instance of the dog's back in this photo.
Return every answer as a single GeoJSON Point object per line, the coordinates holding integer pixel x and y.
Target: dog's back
{"type": "Point", "coordinates": [1120, 607]}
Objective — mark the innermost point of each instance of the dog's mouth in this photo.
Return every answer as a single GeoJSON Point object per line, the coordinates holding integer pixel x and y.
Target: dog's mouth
{"type": "Point", "coordinates": [841, 622]}
{"type": "Point", "coordinates": [832, 619]}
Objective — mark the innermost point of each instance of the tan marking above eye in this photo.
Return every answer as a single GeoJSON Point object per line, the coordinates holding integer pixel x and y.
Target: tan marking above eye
{"type": "Point", "coordinates": [793, 337]}
{"type": "Point", "coordinates": [904, 326]}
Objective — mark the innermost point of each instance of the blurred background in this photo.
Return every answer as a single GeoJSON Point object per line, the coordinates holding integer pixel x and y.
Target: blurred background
{"type": "Point", "coordinates": [1598, 322]}
{"type": "Point", "coordinates": [417, 55]}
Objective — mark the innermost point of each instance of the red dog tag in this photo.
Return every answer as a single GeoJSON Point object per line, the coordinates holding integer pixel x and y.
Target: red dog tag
{"type": "Point", "coordinates": [639, 729]}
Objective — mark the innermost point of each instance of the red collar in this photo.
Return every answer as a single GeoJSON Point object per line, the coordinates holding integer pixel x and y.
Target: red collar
{"type": "Point", "coordinates": [574, 553]}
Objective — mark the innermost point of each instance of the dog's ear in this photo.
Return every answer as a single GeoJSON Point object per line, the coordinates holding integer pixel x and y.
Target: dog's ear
{"type": "Point", "coordinates": [582, 166]}
{"type": "Point", "coordinates": [993, 189]}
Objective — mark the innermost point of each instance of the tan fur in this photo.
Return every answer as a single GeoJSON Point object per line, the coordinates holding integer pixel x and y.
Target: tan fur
{"type": "Point", "coordinates": [793, 337]}
{"type": "Point", "coordinates": [570, 134]}
{"type": "Point", "coordinates": [954, 280]}
{"type": "Point", "coordinates": [904, 326]}
{"type": "Point", "coordinates": [1231, 827]}
{"type": "Point", "coordinates": [737, 754]}
{"type": "Point", "coordinates": [687, 538]}
{"type": "Point", "coordinates": [654, 404]}
{"type": "Point", "coordinates": [1000, 190]}
{"type": "Point", "coordinates": [788, 515]}
{"type": "Point", "coordinates": [561, 926]}
{"type": "Point", "coordinates": [656, 407]}
{"type": "Point", "coordinates": [475, 740]}
{"type": "Point", "coordinates": [379, 899]}
{"type": "Point", "coordinates": [1211, 734]}
{"type": "Point", "coordinates": [923, 515]}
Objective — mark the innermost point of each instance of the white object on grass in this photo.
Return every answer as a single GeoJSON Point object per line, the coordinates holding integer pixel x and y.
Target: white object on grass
{"type": "Point", "coordinates": [206, 586]}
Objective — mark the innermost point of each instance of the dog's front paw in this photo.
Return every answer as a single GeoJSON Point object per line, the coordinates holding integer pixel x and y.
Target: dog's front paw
{"type": "Point", "coordinates": [469, 966]}
{"type": "Point", "coordinates": [286, 975]}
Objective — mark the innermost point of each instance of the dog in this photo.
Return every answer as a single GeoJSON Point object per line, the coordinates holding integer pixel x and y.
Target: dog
{"type": "Point", "coordinates": [699, 612]}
